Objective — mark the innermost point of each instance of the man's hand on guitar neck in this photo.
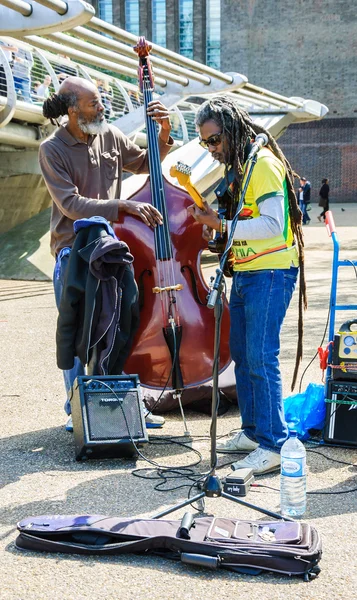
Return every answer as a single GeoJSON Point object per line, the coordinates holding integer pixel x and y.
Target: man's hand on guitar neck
{"type": "Point", "coordinates": [207, 216]}
{"type": "Point", "coordinates": [207, 233]}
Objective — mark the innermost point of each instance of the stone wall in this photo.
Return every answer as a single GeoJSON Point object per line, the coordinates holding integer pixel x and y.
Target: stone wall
{"type": "Point", "coordinates": [304, 48]}
{"type": "Point", "coordinates": [326, 148]}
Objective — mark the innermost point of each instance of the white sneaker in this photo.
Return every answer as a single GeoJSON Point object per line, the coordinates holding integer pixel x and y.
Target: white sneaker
{"type": "Point", "coordinates": [69, 425]}
{"type": "Point", "coordinates": [238, 443]}
{"type": "Point", "coordinates": [153, 421]}
{"type": "Point", "coordinates": [260, 461]}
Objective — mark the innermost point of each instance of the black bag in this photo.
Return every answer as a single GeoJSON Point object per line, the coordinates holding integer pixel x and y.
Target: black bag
{"type": "Point", "coordinates": [284, 547]}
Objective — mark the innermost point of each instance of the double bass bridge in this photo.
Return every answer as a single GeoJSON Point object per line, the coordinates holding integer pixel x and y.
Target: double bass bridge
{"type": "Point", "coordinates": [168, 288]}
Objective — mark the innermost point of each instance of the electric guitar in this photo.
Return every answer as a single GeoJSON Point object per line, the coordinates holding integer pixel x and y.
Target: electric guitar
{"type": "Point", "coordinates": [182, 173]}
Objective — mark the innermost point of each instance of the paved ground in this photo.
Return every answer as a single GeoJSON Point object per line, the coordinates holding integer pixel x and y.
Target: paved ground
{"type": "Point", "coordinates": [40, 476]}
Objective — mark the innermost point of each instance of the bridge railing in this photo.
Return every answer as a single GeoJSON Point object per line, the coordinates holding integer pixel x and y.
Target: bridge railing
{"type": "Point", "coordinates": [47, 72]}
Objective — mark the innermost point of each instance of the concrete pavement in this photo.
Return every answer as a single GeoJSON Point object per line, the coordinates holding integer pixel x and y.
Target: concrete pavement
{"type": "Point", "coordinates": [40, 476]}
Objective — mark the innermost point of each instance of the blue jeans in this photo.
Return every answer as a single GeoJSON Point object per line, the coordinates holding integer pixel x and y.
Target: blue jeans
{"type": "Point", "coordinates": [23, 88]}
{"type": "Point", "coordinates": [258, 303]}
{"type": "Point", "coordinates": [58, 282]}
{"type": "Point", "coordinates": [305, 215]}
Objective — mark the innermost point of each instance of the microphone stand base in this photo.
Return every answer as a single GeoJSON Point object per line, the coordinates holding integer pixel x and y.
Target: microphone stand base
{"type": "Point", "coordinates": [212, 488]}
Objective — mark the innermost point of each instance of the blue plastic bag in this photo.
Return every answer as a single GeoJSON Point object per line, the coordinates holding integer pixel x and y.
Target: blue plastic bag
{"type": "Point", "coordinates": [306, 411]}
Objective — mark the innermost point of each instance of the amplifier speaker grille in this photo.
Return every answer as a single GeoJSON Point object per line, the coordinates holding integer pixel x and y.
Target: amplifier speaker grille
{"type": "Point", "coordinates": [341, 414]}
{"type": "Point", "coordinates": [110, 416]}
{"type": "Point", "coordinates": [107, 415]}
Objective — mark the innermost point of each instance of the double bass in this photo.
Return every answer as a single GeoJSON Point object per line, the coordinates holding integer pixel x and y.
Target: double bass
{"type": "Point", "coordinates": [174, 345]}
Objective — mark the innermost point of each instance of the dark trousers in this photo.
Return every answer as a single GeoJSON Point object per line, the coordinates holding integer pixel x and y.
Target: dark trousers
{"type": "Point", "coordinates": [325, 209]}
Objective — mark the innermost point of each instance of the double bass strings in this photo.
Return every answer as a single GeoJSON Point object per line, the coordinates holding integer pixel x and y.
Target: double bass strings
{"type": "Point", "coordinates": [159, 233]}
{"type": "Point", "coordinates": [163, 246]}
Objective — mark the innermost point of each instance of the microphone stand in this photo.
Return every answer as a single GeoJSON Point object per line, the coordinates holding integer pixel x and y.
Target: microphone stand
{"type": "Point", "coordinates": [212, 486]}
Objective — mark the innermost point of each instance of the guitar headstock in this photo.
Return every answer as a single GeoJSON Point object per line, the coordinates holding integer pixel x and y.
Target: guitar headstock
{"type": "Point", "coordinates": [182, 172]}
{"type": "Point", "coordinates": [183, 168]}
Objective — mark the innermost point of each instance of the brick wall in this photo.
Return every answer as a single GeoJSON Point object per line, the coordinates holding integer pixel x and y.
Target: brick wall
{"type": "Point", "coordinates": [326, 148]}
{"type": "Point", "coordinates": [304, 48]}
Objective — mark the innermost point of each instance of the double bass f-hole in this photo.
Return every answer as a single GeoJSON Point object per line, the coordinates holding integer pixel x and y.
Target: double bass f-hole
{"type": "Point", "coordinates": [194, 285]}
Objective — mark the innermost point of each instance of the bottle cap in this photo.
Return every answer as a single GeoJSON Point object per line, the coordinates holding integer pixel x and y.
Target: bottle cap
{"type": "Point", "coordinates": [292, 432]}
{"type": "Point", "coordinates": [293, 427]}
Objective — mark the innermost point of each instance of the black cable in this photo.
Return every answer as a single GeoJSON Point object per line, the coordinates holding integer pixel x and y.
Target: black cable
{"type": "Point", "coordinates": [165, 473]}
{"type": "Point", "coordinates": [341, 462]}
{"type": "Point", "coordinates": [168, 379]}
{"type": "Point", "coordinates": [316, 353]}
{"type": "Point", "coordinates": [262, 485]}
{"type": "Point", "coordinates": [332, 493]}
{"type": "Point", "coordinates": [324, 335]}
{"type": "Point", "coordinates": [152, 462]}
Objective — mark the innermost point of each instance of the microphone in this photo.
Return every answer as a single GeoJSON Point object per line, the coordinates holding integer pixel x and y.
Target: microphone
{"type": "Point", "coordinates": [260, 141]}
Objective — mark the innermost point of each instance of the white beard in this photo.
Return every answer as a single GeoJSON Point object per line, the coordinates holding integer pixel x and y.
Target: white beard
{"type": "Point", "coordinates": [93, 128]}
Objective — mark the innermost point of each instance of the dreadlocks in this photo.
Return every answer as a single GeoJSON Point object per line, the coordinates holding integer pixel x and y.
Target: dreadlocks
{"type": "Point", "coordinates": [57, 105]}
{"type": "Point", "coordinates": [238, 128]}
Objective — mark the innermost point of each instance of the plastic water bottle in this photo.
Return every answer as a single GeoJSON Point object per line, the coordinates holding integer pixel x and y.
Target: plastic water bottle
{"type": "Point", "coordinates": [293, 477]}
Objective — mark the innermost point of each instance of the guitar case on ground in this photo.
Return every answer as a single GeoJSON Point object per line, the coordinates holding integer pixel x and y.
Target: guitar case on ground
{"type": "Point", "coordinates": [253, 547]}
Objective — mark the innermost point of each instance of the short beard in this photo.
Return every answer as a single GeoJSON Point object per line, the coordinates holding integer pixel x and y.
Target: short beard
{"type": "Point", "coordinates": [92, 128]}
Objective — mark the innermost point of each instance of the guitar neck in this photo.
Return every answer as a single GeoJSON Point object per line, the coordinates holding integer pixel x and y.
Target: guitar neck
{"type": "Point", "coordinates": [185, 181]}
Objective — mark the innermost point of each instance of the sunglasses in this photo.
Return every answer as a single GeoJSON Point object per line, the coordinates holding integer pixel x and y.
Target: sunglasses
{"type": "Point", "coordinates": [213, 140]}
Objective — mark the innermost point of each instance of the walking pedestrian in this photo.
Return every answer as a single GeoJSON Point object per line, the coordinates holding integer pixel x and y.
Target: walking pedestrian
{"type": "Point", "coordinates": [324, 199]}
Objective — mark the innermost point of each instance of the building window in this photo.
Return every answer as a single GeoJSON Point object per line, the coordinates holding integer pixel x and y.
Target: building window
{"type": "Point", "coordinates": [186, 28]}
{"type": "Point", "coordinates": [105, 9]}
{"type": "Point", "coordinates": [132, 16]}
{"type": "Point", "coordinates": [159, 22]}
{"type": "Point", "coordinates": [213, 25]}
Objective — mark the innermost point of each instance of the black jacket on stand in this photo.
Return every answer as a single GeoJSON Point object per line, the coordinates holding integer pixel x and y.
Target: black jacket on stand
{"type": "Point", "coordinates": [99, 311]}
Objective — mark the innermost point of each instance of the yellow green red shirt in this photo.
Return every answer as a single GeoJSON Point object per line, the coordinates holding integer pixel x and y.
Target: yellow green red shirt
{"type": "Point", "coordinates": [268, 180]}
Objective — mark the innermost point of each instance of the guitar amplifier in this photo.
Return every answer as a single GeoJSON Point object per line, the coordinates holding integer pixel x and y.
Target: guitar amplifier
{"type": "Point", "coordinates": [344, 356]}
{"type": "Point", "coordinates": [108, 416]}
{"type": "Point", "coordinates": [341, 413]}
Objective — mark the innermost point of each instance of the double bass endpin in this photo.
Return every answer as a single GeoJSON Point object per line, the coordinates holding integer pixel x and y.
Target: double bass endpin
{"type": "Point", "coordinates": [169, 288]}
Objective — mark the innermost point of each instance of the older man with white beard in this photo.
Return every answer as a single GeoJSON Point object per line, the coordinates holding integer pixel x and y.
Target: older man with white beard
{"type": "Point", "coordinates": [82, 164]}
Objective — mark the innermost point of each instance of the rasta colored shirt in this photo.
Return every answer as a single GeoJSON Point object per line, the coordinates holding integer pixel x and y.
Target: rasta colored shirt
{"type": "Point", "coordinates": [278, 252]}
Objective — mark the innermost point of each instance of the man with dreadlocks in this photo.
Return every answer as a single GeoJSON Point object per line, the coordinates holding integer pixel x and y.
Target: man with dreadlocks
{"type": "Point", "coordinates": [267, 253]}
{"type": "Point", "coordinates": [82, 164]}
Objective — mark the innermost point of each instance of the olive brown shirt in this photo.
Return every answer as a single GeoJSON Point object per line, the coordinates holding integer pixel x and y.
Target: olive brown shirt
{"type": "Point", "coordinates": [84, 179]}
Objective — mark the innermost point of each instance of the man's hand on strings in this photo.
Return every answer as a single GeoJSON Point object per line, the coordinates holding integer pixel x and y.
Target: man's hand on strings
{"type": "Point", "coordinates": [159, 113]}
{"type": "Point", "coordinates": [146, 211]}
{"type": "Point", "coordinates": [207, 216]}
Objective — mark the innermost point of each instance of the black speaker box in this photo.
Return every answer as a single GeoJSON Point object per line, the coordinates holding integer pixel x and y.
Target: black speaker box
{"type": "Point", "coordinates": [108, 416]}
{"type": "Point", "coordinates": [341, 413]}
